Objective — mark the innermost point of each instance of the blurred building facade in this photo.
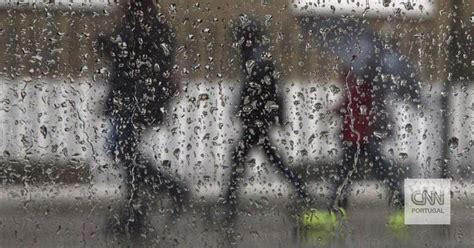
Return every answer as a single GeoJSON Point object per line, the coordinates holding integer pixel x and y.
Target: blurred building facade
{"type": "Point", "coordinates": [48, 43]}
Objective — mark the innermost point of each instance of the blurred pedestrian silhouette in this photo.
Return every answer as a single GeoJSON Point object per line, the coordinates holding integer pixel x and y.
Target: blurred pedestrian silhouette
{"type": "Point", "coordinates": [141, 51]}
{"type": "Point", "coordinates": [372, 71]}
{"type": "Point", "coordinates": [260, 107]}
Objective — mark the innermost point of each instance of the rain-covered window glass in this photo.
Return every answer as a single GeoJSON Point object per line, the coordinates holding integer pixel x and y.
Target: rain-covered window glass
{"type": "Point", "coordinates": [254, 123]}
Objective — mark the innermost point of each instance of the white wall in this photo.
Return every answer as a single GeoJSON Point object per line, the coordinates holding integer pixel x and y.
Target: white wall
{"type": "Point", "coordinates": [198, 141]}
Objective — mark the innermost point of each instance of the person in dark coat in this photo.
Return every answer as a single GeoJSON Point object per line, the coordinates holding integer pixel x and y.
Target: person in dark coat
{"type": "Point", "coordinates": [141, 51]}
{"type": "Point", "coordinates": [259, 109]}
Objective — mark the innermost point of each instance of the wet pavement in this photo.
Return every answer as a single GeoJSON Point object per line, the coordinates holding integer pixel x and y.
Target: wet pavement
{"type": "Point", "coordinates": [78, 216]}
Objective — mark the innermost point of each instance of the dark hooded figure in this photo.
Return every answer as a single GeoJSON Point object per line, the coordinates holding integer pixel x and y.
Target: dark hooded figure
{"type": "Point", "coordinates": [260, 107]}
{"type": "Point", "coordinates": [372, 71]}
{"type": "Point", "coordinates": [141, 51]}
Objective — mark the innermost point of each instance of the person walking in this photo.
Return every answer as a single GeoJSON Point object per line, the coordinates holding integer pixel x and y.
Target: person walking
{"type": "Point", "coordinates": [260, 108]}
{"type": "Point", "coordinates": [371, 72]}
{"type": "Point", "coordinates": [141, 51]}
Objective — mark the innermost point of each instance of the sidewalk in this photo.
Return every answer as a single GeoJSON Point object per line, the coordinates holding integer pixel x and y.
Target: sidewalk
{"type": "Point", "coordinates": [76, 216]}
{"type": "Point", "coordinates": [362, 193]}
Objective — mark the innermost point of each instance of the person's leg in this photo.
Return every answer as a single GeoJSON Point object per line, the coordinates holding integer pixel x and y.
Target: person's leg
{"type": "Point", "coordinates": [125, 139]}
{"type": "Point", "coordinates": [333, 217]}
{"type": "Point", "coordinates": [237, 171]}
{"type": "Point", "coordinates": [388, 173]}
{"type": "Point", "coordinates": [344, 171]}
{"type": "Point", "coordinates": [138, 205]}
{"type": "Point", "coordinates": [156, 181]}
{"type": "Point", "coordinates": [292, 177]}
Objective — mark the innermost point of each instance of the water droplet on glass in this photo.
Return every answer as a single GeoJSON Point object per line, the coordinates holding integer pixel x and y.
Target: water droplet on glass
{"type": "Point", "coordinates": [249, 65]}
{"type": "Point", "coordinates": [403, 155]}
{"type": "Point", "coordinates": [271, 106]}
{"type": "Point", "coordinates": [176, 153]}
{"type": "Point", "coordinates": [453, 143]}
{"type": "Point", "coordinates": [44, 131]}
{"type": "Point", "coordinates": [204, 97]}
{"type": "Point", "coordinates": [334, 89]}
{"type": "Point", "coordinates": [165, 48]}
{"type": "Point", "coordinates": [380, 134]}
{"type": "Point", "coordinates": [408, 128]}
{"type": "Point", "coordinates": [318, 106]}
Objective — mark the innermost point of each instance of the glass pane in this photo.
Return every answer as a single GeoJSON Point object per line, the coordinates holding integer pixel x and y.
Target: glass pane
{"type": "Point", "coordinates": [271, 123]}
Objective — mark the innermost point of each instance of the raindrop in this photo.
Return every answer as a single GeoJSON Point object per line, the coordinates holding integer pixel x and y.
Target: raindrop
{"type": "Point", "coordinates": [249, 65]}
{"type": "Point", "coordinates": [390, 151]}
{"type": "Point", "coordinates": [176, 153]}
{"type": "Point", "coordinates": [334, 89]}
{"type": "Point", "coordinates": [165, 48]}
{"type": "Point", "coordinates": [403, 155]}
{"type": "Point", "coordinates": [453, 143]}
{"type": "Point", "coordinates": [44, 131]}
{"type": "Point", "coordinates": [408, 5]}
{"type": "Point", "coordinates": [318, 106]}
{"type": "Point", "coordinates": [203, 97]}
{"type": "Point", "coordinates": [408, 128]}
{"type": "Point", "coordinates": [271, 106]}
{"type": "Point", "coordinates": [324, 32]}
{"type": "Point", "coordinates": [380, 134]}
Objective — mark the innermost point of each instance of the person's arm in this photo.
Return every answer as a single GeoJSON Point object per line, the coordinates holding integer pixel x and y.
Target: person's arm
{"type": "Point", "coordinates": [109, 43]}
{"type": "Point", "coordinates": [345, 77]}
{"type": "Point", "coordinates": [165, 43]}
{"type": "Point", "coordinates": [266, 72]}
{"type": "Point", "coordinates": [174, 79]}
{"type": "Point", "coordinates": [281, 109]}
{"type": "Point", "coordinates": [403, 77]}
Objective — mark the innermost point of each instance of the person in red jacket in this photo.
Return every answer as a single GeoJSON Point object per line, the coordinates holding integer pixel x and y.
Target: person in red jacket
{"type": "Point", "coordinates": [360, 144]}
{"type": "Point", "coordinates": [372, 70]}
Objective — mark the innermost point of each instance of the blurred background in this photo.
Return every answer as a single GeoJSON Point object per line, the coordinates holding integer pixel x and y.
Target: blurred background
{"type": "Point", "coordinates": [59, 183]}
